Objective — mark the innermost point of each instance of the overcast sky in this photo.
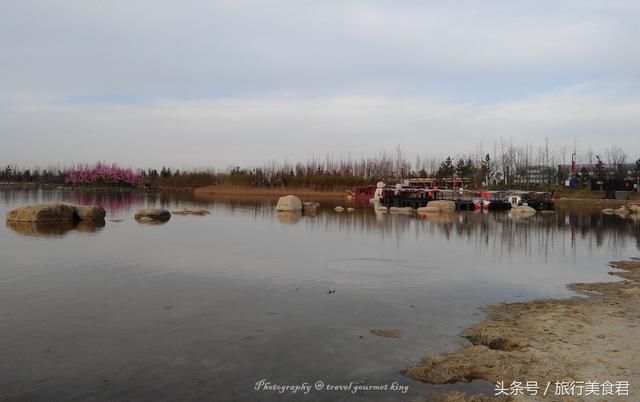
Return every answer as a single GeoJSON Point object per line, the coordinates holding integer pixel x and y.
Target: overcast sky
{"type": "Point", "coordinates": [216, 83]}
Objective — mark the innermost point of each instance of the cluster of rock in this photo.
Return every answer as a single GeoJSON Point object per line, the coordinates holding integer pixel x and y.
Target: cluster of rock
{"type": "Point", "coordinates": [56, 213]}
{"type": "Point", "coordinates": [623, 210]}
{"type": "Point", "coordinates": [342, 209]}
{"type": "Point", "coordinates": [291, 203]}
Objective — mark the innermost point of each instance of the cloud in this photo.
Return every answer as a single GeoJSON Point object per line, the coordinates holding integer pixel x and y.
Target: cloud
{"type": "Point", "coordinates": [218, 133]}
{"type": "Point", "coordinates": [216, 49]}
{"type": "Point", "coordinates": [201, 83]}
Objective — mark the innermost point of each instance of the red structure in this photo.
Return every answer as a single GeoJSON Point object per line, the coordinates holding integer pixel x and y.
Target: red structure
{"type": "Point", "coordinates": [363, 193]}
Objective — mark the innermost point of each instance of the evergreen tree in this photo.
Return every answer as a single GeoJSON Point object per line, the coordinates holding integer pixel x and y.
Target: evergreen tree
{"type": "Point", "coordinates": [446, 168]}
{"type": "Point", "coordinates": [487, 169]}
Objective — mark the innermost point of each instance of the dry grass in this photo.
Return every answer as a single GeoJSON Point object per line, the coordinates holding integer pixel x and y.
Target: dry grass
{"type": "Point", "coordinates": [264, 193]}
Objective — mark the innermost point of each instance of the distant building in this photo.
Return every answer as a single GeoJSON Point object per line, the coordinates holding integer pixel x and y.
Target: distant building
{"type": "Point", "coordinates": [535, 175]}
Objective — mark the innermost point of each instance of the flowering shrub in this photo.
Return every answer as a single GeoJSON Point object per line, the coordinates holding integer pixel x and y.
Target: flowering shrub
{"type": "Point", "coordinates": [102, 174]}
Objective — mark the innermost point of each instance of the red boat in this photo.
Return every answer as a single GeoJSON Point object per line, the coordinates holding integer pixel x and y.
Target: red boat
{"type": "Point", "coordinates": [363, 193]}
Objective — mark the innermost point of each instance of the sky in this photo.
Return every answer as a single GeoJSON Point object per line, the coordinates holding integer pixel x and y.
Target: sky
{"type": "Point", "coordinates": [194, 83]}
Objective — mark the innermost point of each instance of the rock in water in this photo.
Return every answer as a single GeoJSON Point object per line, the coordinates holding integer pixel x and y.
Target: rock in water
{"type": "Point", "coordinates": [310, 206]}
{"type": "Point", "coordinates": [289, 203]}
{"type": "Point", "coordinates": [89, 213]}
{"type": "Point", "coordinates": [608, 211]}
{"type": "Point", "coordinates": [439, 206]}
{"type": "Point", "coordinates": [199, 211]}
{"type": "Point", "coordinates": [634, 208]}
{"type": "Point", "coordinates": [155, 214]}
{"type": "Point", "coordinates": [43, 213]}
{"type": "Point", "coordinates": [350, 209]}
{"type": "Point", "coordinates": [339, 209]}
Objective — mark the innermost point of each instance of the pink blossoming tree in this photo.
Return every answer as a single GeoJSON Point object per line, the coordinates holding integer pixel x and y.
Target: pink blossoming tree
{"type": "Point", "coordinates": [102, 174]}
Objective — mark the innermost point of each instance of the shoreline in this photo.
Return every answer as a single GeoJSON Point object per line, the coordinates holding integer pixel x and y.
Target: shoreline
{"type": "Point", "coordinates": [256, 194]}
{"type": "Point", "coordinates": [265, 192]}
{"type": "Point", "coordinates": [591, 336]}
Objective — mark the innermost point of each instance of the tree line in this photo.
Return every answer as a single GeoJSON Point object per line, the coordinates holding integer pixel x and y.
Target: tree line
{"type": "Point", "coordinates": [506, 165]}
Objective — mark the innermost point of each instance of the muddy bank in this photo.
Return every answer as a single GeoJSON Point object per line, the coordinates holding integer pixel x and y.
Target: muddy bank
{"type": "Point", "coordinates": [588, 204]}
{"type": "Point", "coordinates": [590, 337]}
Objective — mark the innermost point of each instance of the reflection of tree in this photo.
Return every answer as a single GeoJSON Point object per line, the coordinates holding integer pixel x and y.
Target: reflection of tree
{"type": "Point", "coordinates": [495, 232]}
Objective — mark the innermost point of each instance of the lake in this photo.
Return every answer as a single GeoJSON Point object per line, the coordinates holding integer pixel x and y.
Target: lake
{"type": "Point", "coordinates": [204, 307]}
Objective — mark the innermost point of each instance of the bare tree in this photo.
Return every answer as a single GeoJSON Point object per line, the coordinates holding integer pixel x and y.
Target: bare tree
{"type": "Point", "coordinates": [616, 159]}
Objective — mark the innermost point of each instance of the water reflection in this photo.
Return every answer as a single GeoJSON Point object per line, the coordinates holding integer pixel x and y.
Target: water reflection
{"type": "Point", "coordinates": [55, 229]}
{"type": "Point", "coordinates": [114, 202]}
{"type": "Point", "coordinates": [288, 218]}
{"type": "Point", "coordinates": [245, 289]}
{"type": "Point", "coordinates": [508, 231]}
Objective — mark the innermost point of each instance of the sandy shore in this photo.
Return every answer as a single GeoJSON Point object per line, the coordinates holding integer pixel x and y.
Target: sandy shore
{"type": "Point", "coordinates": [591, 337]}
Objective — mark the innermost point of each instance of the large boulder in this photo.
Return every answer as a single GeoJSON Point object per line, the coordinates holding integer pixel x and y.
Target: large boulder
{"type": "Point", "coordinates": [439, 206]}
{"type": "Point", "coordinates": [43, 213]}
{"type": "Point", "coordinates": [289, 203]}
{"type": "Point", "coordinates": [152, 214]}
{"type": "Point", "coordinates": [89, 212]}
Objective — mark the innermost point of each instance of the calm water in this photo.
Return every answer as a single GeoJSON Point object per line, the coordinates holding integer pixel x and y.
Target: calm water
{"type": "Point", "coordinates": [201, 308]}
